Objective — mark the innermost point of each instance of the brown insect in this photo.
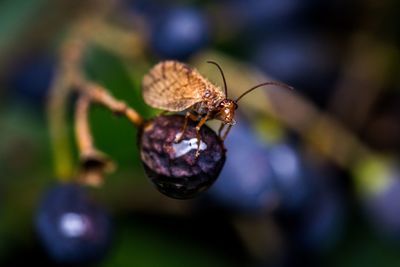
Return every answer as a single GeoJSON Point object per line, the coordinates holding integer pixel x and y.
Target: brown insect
{"type": "Point", "coordinates": [174, 86]}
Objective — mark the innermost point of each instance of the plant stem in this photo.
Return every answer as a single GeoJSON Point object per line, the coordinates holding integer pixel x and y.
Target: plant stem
{"type": "Point", "coordinates": [56, 109]}
{"type": "Point", "coordinates": [70, 77]}
{"type": "Point", "coordinates": [82, 130]}
{"type": "Point", "coordinates": [100, 95]}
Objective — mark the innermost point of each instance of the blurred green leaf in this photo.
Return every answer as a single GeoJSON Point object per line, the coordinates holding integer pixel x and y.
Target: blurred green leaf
{"type": "Point", "coordinates": [362, 247]}
{"type": "Point", "coordinates": [15, 16]}
{"type": "Point", "coordinates": [140, 245]}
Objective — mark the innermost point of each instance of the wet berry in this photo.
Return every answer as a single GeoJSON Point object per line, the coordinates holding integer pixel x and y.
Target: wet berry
{"type": "Point", "coordinates": [72, 228]}
{"type": "Point", "coordinates": [173, 167]}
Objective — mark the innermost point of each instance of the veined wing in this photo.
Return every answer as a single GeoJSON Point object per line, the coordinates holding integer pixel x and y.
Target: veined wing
{"type": "Point", "coordinates": [174, 86]}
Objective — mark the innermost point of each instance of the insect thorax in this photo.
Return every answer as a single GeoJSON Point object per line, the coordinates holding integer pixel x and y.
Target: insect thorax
{"type": "Point", "coordinates": [201, 108]}
{"type": "Point", "coordinates": [211, 100]}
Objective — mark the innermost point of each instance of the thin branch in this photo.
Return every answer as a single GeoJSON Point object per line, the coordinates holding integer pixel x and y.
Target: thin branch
{"type": "Point", "coordinates": [100, 95]}
{"type": "Point", "coordinates": [82, 129]}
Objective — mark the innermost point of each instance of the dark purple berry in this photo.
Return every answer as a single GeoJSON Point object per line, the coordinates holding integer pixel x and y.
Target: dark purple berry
{"type": "Point", "coordinates": [73, 229]}
{"type": "Point", "coordinates": [173, 167]}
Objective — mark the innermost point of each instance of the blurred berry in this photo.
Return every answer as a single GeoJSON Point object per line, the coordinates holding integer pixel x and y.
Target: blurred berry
{"type": "Point", "coordinates": [321, 222]}
{"type": "Point", "coordinates": [291, 176]}
{"type": "Point", "coordinates": [179, 32]}
{"type": "Point", "coordinates": [30, 79]}
{"type": "Point", "coordinates": [73, 229]}
{"type": "Point", "coordinates": [317, 225]}
{"type": "Point", "coordinates": [300, 59]}
{"type": "Point", "coordinates": [149, 9]}
{"type": "Point", "coordinates": [173, 167]}
{"type": "Point", "coordinates": [253, 16]}
{"type": "Point", "coordinates": [260, 176]}
{"type": "Point", "coordinates": [246, 183]}
{"type": "Point", "coordinates": [383, 203]}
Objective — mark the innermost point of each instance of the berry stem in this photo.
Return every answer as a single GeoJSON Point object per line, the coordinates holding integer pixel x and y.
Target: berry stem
{"type": "Point", "coordinates": [100, 95]}
{"type": "Point", "coordinates": [56, 109]}
{"type": "Point", "coordinates": [82, 128]}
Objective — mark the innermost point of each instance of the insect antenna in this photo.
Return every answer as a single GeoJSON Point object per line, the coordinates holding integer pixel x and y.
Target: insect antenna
{"type": "Point", "coordinates": [263, 84]}
{"type": "Point", "coordinates": [223, 76]}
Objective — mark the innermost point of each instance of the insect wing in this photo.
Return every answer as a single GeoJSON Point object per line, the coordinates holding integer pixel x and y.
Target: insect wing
{"type": "Point", "coordinates": [173, 86]}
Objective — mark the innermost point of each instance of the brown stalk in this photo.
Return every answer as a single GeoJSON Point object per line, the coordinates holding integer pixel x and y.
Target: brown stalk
{"type": "Point", "coordinates": [100, 95]}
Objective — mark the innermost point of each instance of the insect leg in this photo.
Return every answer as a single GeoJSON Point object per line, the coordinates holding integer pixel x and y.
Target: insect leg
{"type": "Point", "coordinates": [198, 127]}
{"type": "Point", "coordinates": [188, 116]}
{"type": "Point", "coordinates": [220, 129]}
{"type": "Point", "coordinates": [226, 132]}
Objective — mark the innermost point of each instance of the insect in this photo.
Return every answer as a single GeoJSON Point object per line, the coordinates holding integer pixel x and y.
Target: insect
{"type": "Point", "coordinates": [174, 86]}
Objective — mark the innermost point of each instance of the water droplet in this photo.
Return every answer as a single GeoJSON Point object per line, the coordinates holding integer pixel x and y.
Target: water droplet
{"type": "Point", "coordinates": [185, 146]}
